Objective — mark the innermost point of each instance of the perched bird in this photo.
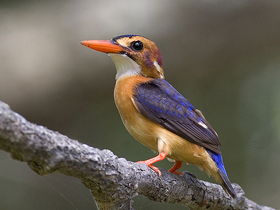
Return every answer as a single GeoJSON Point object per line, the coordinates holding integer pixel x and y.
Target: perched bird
{"type": "Point", "coordinates": [155, 113]}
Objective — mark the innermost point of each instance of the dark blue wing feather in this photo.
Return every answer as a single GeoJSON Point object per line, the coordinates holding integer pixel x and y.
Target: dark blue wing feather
{"type": "Point", "coordinates": [160, 102]}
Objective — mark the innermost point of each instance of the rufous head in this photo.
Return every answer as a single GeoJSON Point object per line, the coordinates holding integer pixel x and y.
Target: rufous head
{"type": "Point", "coordinates": [132, 55]}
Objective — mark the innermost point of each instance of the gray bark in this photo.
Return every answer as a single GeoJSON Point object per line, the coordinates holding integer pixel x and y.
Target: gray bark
{"type": "Point", "coordinates": [112, 181]}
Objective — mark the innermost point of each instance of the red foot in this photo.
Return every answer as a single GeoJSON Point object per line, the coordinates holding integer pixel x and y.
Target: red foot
{"type": "Point", "coordinates": [161, 156]}
{"type": "Point", "coordinates": [175, 167]}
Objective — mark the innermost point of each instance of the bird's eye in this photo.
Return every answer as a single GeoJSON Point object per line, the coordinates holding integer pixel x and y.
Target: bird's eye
{"type": "Point", "coordinates": [137, 45]}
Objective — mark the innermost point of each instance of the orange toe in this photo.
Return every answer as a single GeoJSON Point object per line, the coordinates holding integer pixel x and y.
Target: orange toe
{"type": "Point", "coordinates": [150, 162]}
{"type": "Point", "coordinates": [175, 167]}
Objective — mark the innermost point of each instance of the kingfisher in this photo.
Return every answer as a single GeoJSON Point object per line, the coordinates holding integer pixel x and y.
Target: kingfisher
{"type": "Point", "coordinates": [156, 114]}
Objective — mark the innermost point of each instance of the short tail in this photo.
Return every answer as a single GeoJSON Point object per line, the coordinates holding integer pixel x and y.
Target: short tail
{"type": "Point", "coordinates": [227, 185]}
{"type": "Point", "coordinates": [217, 158]}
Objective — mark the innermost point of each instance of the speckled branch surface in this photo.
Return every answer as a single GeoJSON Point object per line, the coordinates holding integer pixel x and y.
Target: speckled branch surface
{"type": "Point", "coordinates": [113, 181]}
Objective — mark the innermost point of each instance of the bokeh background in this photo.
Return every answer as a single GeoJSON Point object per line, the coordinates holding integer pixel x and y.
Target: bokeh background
{"type": "Point", "coordinates": [224, 56]}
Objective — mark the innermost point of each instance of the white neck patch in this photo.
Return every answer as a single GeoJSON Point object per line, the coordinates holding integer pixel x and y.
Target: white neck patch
{"type": "Point", "coordinates": [159, 69]}
{"type": "Point", "coordinates": [157, 66]}
{"type": "Point", "coordinates": [125, 65]}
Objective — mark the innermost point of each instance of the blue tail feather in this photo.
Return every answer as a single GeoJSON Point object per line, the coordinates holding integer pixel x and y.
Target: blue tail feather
{"type": "Point", "coordinates": [217, 158]}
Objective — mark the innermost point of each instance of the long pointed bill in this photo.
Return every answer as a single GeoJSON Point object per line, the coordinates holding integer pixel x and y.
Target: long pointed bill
{"type": "Point", "coordinates": [105, 46]}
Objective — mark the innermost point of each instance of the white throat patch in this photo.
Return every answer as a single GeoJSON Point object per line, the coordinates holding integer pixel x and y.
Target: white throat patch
{"type": "Point", "coordinates": [125, 65]}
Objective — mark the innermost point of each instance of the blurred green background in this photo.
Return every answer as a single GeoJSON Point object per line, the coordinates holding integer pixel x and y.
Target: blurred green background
{"type": "Point", "coordinates": [224, 56]}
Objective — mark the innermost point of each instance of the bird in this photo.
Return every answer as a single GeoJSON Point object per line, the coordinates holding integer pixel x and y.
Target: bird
{"type": "Point", "coordinates": [156, 114]}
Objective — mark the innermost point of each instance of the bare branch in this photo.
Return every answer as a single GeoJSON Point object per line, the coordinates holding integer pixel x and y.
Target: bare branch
{"type": "Point", "coordinates": [113, 181]}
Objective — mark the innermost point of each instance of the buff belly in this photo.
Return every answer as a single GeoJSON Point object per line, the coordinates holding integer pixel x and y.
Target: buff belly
{"type": "Point", "coordinates": [156, 137]}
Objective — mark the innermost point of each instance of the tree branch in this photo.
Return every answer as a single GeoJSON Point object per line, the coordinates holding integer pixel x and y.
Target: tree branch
{"type": "Point", "coordinates": [113, 181]}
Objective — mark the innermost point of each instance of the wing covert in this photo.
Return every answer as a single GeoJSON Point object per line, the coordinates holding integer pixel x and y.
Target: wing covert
{"type": "Point", "coordinates": [160, 102]}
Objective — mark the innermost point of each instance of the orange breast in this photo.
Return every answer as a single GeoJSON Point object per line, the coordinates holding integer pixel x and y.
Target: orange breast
{"type": "Point", "coordinates": [148, 133]}
{"type": "Point", "coordinates": [138, 126]}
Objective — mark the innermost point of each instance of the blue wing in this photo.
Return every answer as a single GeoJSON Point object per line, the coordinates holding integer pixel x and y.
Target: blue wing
{"type": "Point", "coordinates": [160, 102]}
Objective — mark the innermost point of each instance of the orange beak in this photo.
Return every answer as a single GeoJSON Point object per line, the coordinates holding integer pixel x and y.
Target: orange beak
{"type": "Point", "coordinates": [105, 46]}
